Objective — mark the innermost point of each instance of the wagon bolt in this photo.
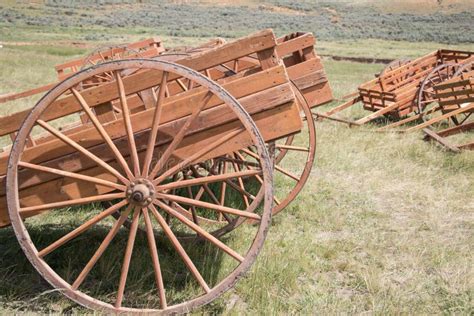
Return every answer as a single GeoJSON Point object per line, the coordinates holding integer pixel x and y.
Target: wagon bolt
{"type": "Point", "coordinates": [129, 191]}
{"type": "Point", "coordinates": [137, 196]}
{"type": "Point", "coordinates": [149, 200]}
{"type": "Point", "coordinates": [132, 184]}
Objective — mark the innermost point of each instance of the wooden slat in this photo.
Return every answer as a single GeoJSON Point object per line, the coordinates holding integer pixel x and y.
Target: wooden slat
{"type": "Point", "coordinates": [459, 101]}
{"type": "Point", "coordinates": [310, 80]}
{"type": "Point", "coordinates": [440, 140]}
{"type": "Point", "coordinates": [343, 106]}
{"type": "Point", "coordinates": [295, 44]}
{"type": "Point", "coordinates": [468, 146]}
{"type": "Point", "coordinates": [456, 129]}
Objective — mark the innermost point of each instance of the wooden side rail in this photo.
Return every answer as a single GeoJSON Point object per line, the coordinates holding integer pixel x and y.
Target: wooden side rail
{"type": "Point", "coordinates": [304, 67]}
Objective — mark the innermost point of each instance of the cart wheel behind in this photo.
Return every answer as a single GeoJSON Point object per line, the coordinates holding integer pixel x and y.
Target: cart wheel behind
{"type": "Point", "coordinates": [137, 163]}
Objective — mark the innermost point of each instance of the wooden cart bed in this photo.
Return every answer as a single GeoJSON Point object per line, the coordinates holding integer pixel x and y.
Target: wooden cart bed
{"type": "Point", "coordinates": [265, 94]}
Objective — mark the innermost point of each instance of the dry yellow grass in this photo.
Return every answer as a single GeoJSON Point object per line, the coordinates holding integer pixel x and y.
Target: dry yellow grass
{"type": "Point", "coordinates": [384, 225]}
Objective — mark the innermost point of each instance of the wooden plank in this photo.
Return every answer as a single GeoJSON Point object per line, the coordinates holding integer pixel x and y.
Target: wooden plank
{"type": "Point", "coordinates": [440, 140]}
{"type": "Point", "coordinates": [454, 93]}
{"type": "Point", "coordinates": [304, 68]}
{"type": "Point", "coordinates": [343, 106]}
{"type": "Point", "coordinates": [28, 93]}
{"type": "Point", "coordinates": [337, 119]}
{"type": "Point", "coordinates": [152, 44]}
{"type": "Point", "coordinates": [460, 101]}
{"type": "Point", "coordinates": [454, 83]}
{"type": "Point", "coordinates": [318, 95]}
{"type": "Point", "coordinates": [296, 44]}
{"type": "Point", "coordinates": [377, 114]}
{"type": "Point", "coordinates": [456, 129]}
{"type": "Point", "coordinates": [468, 146]}
{"type": "Point", "coordinates": [440, 118]}
{"type": "Point", "coordinates": [311, 79]}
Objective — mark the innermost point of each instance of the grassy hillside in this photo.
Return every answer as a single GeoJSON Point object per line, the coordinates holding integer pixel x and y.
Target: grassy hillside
{"type": "Point", "coordinates": [331, 20]}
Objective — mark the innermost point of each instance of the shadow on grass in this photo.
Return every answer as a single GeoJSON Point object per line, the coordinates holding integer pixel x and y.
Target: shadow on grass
{"type": "Point", "coordinates": [20, 283]}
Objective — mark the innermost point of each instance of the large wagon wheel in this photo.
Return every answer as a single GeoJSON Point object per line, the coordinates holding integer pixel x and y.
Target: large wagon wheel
{"type": "Point", "coordinates": [109, 53]}
{"type": "Point", "coordinates": [426, 100]}
{"type": "Point", "coordinates": [140, 180]}
{"type": "Point", "coordinates": [102, 55]}
{"type": "Point", "coordinates": [394, 64]}
{"type": "Point", "coordinates": [292, 168]}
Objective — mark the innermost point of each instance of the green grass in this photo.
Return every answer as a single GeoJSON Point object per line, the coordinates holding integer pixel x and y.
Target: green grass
{"type": "Point", "coordinates": [383, 226]}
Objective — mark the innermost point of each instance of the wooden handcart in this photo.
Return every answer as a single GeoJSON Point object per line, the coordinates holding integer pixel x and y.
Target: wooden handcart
{"type": "Point", "coordinates": [455, 98]}
{"type": "Point", "coordinates": [309, 83]}
{"type": "Point", "coordinates": [403, 92]}
{"type": "Point", "coordinates": [141, 146]}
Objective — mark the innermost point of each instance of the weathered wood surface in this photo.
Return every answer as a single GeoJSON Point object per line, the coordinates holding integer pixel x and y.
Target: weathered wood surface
{"type": "Point", "coordinates": [395, 92]}
{"type": "Point", "coordinates": [145, 49]}
{"type": "Point", "coordinates": [297, 50]}
{"type": "Point", "coordinates": [433, 135]}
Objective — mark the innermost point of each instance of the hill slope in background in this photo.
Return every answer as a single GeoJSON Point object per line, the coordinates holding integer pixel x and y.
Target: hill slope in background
{"type": "Point", "coordinates": [434, 21]}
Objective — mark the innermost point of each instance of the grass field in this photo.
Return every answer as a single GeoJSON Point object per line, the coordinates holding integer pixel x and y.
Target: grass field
{"type": "Point", "coordinates": [384, 225]}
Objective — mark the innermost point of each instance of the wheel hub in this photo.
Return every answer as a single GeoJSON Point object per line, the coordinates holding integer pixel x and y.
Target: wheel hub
{"type": "Point", "coordinates": [141, 192]}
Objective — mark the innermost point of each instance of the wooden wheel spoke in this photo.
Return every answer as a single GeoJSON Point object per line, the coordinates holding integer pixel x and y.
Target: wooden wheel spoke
{"type": "Point", "coordinates": [200, 231]}
{"type": "Point", "coordinates": [191, 159]}
{"type": "Point", "coordinates": [108, 78]}
{"type": "Point", "coordinates": [223, 189]}
{"type": "Point", "coordinates": [179, 248]}
{"type": "Point", "coordinates": [207, 205]}
{"type": "Point", "coordinates": [191, 195]}
{"type": "Point", "coordinates": [211, 195]}
{"type": "Point", "coordinates": [79, 230]}
{"type": "Point", "coordinates": [128, 124]}
{"type": "Point", "coordinates": [182, 85]}
{"type": "Point", "coordinates": [208, 179]}
{"type": "Point", "coordinates": [232, 184]}
{"type": "Point", "coordinates": [103, 132]}
{"type": "Point", "coordinates": [287, 173]}
{"type": "Point", "coordinates": [74, 202]}
{"type": "Point", "coordinates": [278, 168]}
{"type": "Point", "coordinates": [82, 150]}
{"type": "Point", "coordinates": [241, 184]}
{"type": "Point", "coordinates": [72, 175]}
{"type": "Point", "coordinates": [127, 257]}
{"type": "Point", "coordinates": [180, 135]}
{"type": "Point", "coordinates": [154, 257]}
{"type": "Point", "coordinates": [155, 125]}
{"type": "Point", "coordinates": [102, 56]}
{"type": "Point", "coordinates": [275, 199]}
{"type": "Point", "coordinates": [103, 246]}
{"type": "Point", "coordinates": [295, 148]}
